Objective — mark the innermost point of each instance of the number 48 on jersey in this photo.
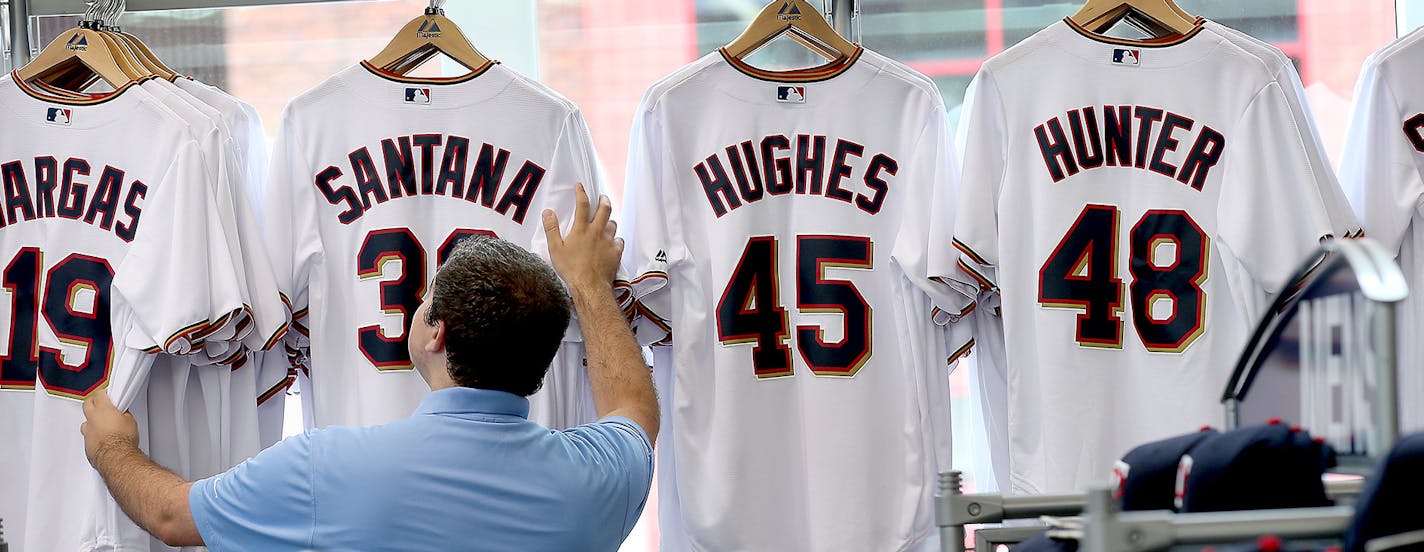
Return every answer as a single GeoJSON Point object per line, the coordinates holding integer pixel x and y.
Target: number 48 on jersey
{"type": "Point", "coordinates": [1081, 274]}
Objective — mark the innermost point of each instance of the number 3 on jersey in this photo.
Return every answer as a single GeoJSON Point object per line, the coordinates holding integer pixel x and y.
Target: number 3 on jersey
{"type": "Point", "coordinates": [750, 310]}
{"type": "Point", "coordinates": [1081, 274]}
{"type": "Point", "coordinates": [400, 295]}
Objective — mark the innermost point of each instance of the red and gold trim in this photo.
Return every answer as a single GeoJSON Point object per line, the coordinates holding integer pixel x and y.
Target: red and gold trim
{"type": "Point", "coordinates": [1169, 40]}
{"type": "Point", "coordinates": [984, 283]}
{"type": "Point", "coordinates": [969, 252]}
{"type": "Point", "coordinates": [278, 389]}
{"type": "Point", "coordinates": [960, 352]}
{"type": "Point", "coordinates": [813, 74]}
{"type": "Point", "coordinates": [37, 90]}
{"type": "Point", "coordinates": [394, 76]}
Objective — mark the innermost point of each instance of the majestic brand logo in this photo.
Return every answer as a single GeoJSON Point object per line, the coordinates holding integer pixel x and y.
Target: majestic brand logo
{"type": "Point", "coordinates": [78, 43]}
{"type": "Point", "coordinates": [419, 96]}
{"type": "Point", "coordinates": [59, 116]}
{"type": "Point", "coordinates": [791, 94]}
{"type": "Point", "coordinates": [789, 12]}
{"type": "Point", "coordinates": [428, 29]}
{"type": "Point", "coordinates": [1123, 56]}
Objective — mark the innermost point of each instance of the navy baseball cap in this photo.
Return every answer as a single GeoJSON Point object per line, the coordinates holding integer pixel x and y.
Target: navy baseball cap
{"type": "Point", "coordinates": [1389, 504]}
{"type": "Point", "coordinates": [1254, 468]}
{"type": "Point", "coordinates": [1146, 475]}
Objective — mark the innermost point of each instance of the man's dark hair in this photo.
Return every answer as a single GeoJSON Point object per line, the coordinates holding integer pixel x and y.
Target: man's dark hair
{"type": "Point", "coordinates": [505, 312]}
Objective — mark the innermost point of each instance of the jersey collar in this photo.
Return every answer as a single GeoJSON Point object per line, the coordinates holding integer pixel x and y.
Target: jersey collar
{"type": "Point", "coordinates": [813, 74]}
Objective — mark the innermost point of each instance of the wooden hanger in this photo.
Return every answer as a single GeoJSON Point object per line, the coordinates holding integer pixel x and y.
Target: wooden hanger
{"type": "Point", "coordinates": [81, 50]}
{"type": "Point", "coordinates": [424, 37]}
{"type": "Point", "coordinates": [136, 47]}
{"type": "Point", "coordinates": [1157, 17]}
{"type": "Point", "coordinates": [797, 17]}
{"type": "Point", "coordinates": [77, 59]}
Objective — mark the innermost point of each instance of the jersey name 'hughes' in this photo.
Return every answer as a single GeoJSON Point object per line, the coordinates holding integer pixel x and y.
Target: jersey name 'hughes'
{"type": "Point", "coordinates": [450, 176]}
{"type": "Point", "coordinates": [806, 170]}
{"type": "Point", "coordinates": [1113, 144]}
{"type": "Point", "coordinates": [60, 191]}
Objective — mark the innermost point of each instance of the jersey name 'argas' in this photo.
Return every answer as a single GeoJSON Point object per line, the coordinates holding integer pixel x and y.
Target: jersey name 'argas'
{"type": "Point", "coordinates": [74, 200]}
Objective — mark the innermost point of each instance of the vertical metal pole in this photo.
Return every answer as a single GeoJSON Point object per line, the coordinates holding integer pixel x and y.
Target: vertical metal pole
{"type": "Point", "coordinates": [845, 17]}
{"type": "Point", "coordinates": [951, 537]}
{"type": "Point", "coordinates": [19, 33]}
{"type": "Point", "coordinates": [1387, 378]}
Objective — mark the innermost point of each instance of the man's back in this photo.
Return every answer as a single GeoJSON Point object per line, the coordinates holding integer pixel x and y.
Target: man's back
{"type": "Point", "coordinates": [466, 471]}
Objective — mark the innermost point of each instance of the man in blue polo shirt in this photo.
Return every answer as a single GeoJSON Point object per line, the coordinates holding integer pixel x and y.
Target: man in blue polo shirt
{"type": "Point", "coordinates": [467, 470]}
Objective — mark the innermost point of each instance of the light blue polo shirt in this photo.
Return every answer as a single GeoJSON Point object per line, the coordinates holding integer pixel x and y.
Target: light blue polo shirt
{"type": "Point", "coordinates": [467, 471]}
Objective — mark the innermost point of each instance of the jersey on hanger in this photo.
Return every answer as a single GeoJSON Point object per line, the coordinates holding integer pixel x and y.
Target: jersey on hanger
{"type": "Point", "coordinates": [1129, 216]}
{"type": "Point", "coordinates": [375, 177]}
{"type": "Point", "coordinates": [778, 224]}
{"type": "Point", "coordinates": [112, 254]}
{"type": "Point", "coordinates": [1383, 171]}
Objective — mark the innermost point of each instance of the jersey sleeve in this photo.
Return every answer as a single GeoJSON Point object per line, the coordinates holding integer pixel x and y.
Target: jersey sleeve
{"type": "Point", "coordinates": [574, 161]}
{"type": "Point", "coordinates": [923, 247]}
{"type": "Point", "coordinates": [982, 143]}
{"type": "Point", "coordinates": [1337, 205]}
{"type": "Point", "coordinates": [1380, 166]}
{"type": "Point", "coordinates": [289, 228]}
{"type": "Point", "coordinates": [178, 279]}
{"type": "Point", "coordinates": [1270, 214]}
{"type": "Point", "coordinates": [650, 228]}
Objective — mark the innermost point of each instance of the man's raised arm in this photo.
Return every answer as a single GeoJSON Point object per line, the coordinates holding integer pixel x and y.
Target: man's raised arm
{"type": "Point", "coordinates": [587, 258]}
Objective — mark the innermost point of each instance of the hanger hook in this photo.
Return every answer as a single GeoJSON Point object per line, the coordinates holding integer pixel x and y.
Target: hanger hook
{"type": "Point", "coordinates": [91, 14]}
{"type": "Point", "coordinates": [116, 10]}
{"type": "Point", "coordinates": [436, 8]}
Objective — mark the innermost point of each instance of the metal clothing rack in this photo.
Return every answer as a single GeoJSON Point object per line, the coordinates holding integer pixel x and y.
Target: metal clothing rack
{"type": "Point", "coordinates": [1372, 273]}
{"type": "Point", "coordinates": [844, 16]}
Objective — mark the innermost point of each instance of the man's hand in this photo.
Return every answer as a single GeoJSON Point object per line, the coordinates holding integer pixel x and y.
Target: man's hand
{"type": "Point", "coordinates": [104, 426]}
{"type": "Point", "coordinates": [155, 498]}
{"type": "Point", "coordinates": [588, 256]}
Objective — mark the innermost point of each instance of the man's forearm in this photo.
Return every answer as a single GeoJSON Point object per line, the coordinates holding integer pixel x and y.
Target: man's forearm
{"type": "Point", "coordinates": [152, 496]}
{"type": "Point", "coordinates": [617, 374]}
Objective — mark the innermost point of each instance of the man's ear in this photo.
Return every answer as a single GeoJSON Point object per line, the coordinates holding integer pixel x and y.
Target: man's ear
{"type": "Point", "coordinates": [437, 338]}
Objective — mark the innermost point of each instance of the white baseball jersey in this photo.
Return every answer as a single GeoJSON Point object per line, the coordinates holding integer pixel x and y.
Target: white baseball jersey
{"type": "Point", "coordinates": [1383, 170]}
{"type": "Point", "coordinates": [1120, 213]}
{"type": "Point", "coordinates": [375, 177]}
{"type": "Point", "coordinates": [113, 254]}
{"type": "Point", "coordinates": [989, 381]}
{"type": "Point", "coordinates": [779, 224]}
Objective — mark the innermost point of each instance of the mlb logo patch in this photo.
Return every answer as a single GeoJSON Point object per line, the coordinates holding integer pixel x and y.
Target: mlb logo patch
{"type": "Point", "coordinates": [1124, 56]}
{"type": "Point", "coordinates": [791, 94]}
{"type": "Point", "coordinates": [59, 116]}
{"type": "Point", "coordinates": [417, 96]}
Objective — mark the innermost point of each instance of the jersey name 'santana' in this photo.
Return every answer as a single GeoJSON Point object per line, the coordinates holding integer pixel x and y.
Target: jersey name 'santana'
{"type": "Point", "coordinates": [451, 177]}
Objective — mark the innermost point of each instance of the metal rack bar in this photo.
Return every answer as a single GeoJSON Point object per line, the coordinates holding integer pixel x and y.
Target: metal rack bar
{"type": "Point", "coordinates": [845, 18]}
{"type": "Point", "coordinates": [19, 33]}
{"type": "Point", "coordinates": [1110, 531]}
{"type": "Point", "coordinates": [76, 7]}
{"type": "Point", "coordinates": [954, 509]}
